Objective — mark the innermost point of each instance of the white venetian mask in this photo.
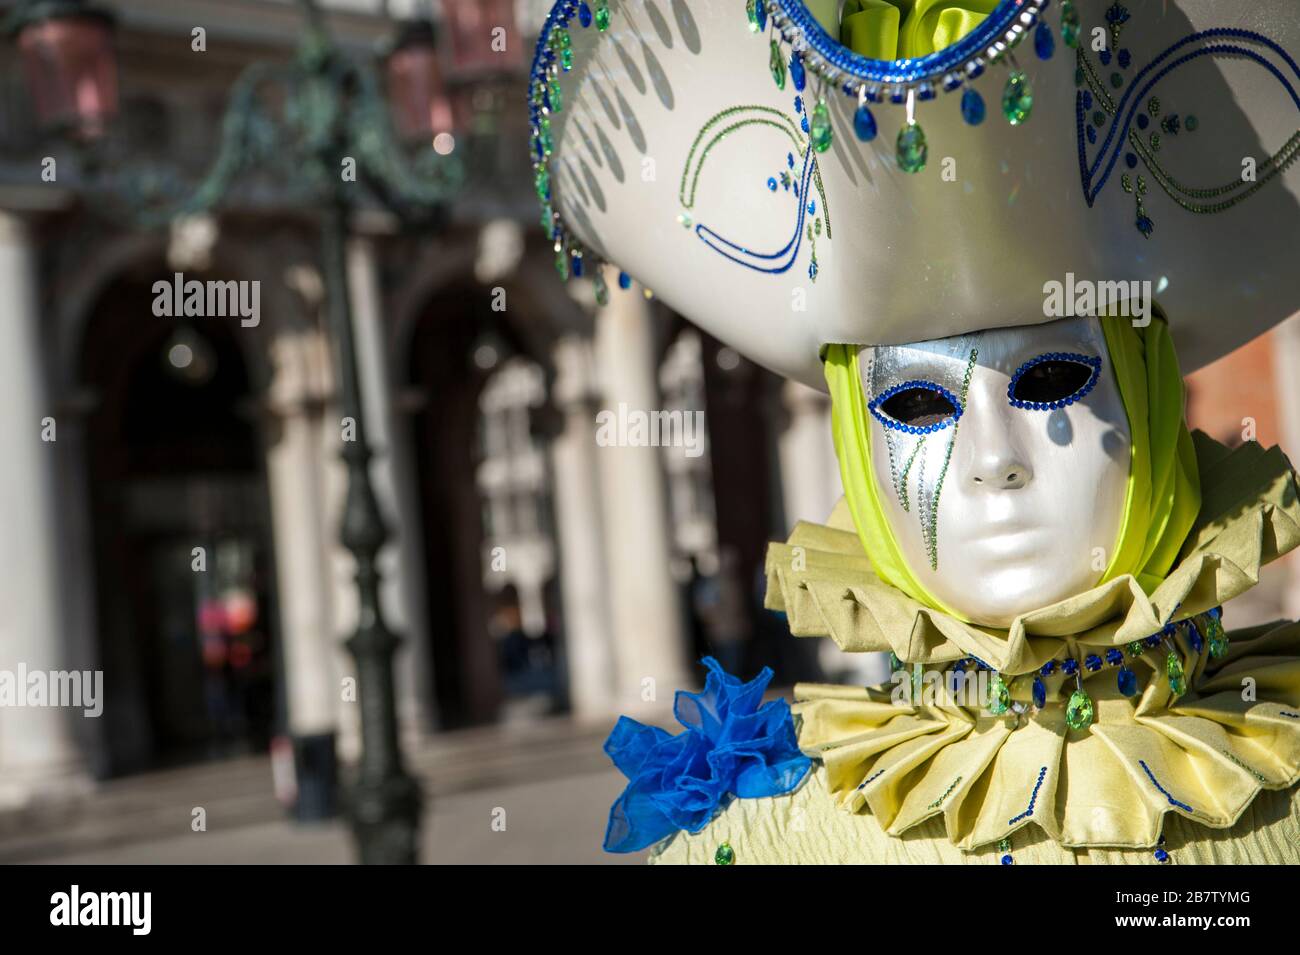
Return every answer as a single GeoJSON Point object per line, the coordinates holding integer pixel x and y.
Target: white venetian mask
{"type": "Point", "coordinates": [999, 505]}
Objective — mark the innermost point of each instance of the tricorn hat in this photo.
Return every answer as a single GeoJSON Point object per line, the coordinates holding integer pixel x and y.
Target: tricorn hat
{"type": "Point", "coordinates": [774, 170]}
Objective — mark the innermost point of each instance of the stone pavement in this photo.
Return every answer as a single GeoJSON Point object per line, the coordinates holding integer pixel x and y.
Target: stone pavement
{"type": "Point", "coordinates": [548, 781]}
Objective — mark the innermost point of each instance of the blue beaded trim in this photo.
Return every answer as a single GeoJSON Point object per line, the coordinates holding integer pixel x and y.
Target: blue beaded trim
{"type": "Point", "coordinates": [1120, 129]}
{"type": "Point", "coordinates": [888, 422]}
{"type": "Point", "coordinates": [965, 59]}
{"type": "Point", "coordinates": [1091, 361]}
{"type": "Point", "coordinates": [863, 784]}
{"type": "Point", "coordinates": [1164, 792]}
{"type": "Point", "coordinates": [1033, 798]}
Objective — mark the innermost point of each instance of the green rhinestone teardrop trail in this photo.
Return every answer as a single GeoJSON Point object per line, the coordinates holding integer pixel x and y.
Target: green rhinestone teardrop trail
{"type": "Point", "coordinates": [1017, 98]}
{"type": "Point", "coordinates": [1069, 24]}
{"type": "Point", "coordinates": [1174, 668]}
{"type": "Point", "coordinates": [602, 15]}
{"type": "Point", "coordinates": [911, 148]}
{"type": "Point", "coordinates": [1079, 711]}
{"type": "Point", "coordinates": [999, 695]}
{"type": "Point", "coordinates": [725, 855]}
{"type": "Point", "coordinates": [820, 129]}
{"type": "Point", "coordinates": [776, 63]}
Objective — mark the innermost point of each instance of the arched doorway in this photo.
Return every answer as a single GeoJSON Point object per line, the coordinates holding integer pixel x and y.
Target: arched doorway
{"type": "Point", "coordinates": [184, 575]}
{"type": "Point", "coordinates": [479, 433]}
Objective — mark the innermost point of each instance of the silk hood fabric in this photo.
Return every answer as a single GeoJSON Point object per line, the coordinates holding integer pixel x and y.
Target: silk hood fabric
{"type": "Point", "coordinates": [1162, 497]}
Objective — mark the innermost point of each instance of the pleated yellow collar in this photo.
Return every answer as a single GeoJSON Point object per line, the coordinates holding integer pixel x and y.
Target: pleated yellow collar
{"type": "Point", "coordinates": [1204, 754]}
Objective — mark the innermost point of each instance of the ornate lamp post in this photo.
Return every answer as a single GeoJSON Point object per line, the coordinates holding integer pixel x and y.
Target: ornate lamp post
{"type": "Point", "coordinates": [329, 123]}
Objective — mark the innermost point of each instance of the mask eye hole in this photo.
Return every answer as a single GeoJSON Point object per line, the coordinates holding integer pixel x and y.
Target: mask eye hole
{"type": "Point", "coordinates": [917, 407]}
{"type": "Point", "coordinates": [1053, 381]}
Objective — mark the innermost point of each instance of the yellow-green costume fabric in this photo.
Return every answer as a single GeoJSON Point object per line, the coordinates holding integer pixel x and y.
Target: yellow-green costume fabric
{"type": "Point", "coordinates": [1213, 770]}
{"type": "Point", "coordinates": [900, 29]}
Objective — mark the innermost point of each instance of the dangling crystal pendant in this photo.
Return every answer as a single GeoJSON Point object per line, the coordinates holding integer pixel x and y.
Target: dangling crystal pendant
{"type": "Point", "coordinates": [1078, 712]}
{"type": "Point", "coordinates": [752, 12]}
{"type": "Point", "coordinates": [1194, 636]}
{"type": "Point", "coordinates": [562, 262]}
{"type": "Point", "coordinates": [821, 131]}
{"type": "Point", "coordinates": [1128, 681]}
{"type": "Point", "coordinates": [1069, 24]}
{"type": "Point", "coordinates": [584, 14]}
{"type": "Point", "coordinates": [1174, 668]}
{"type": "Point", "coordinates": [864, 123]}
{"type": "Point", "coordinates": [1044, 44]}
{"type": "Point", "coordinates": [999, 695]}
{"type": "Point", "coordinates": [602, 15]}
{"type": "Point", "coordinates": [555, 95]}
{"type": "Point", "coordinates": [1218, 640]}
{"type": "Point", "coordinates": [1017, 98]}
{"type": "Point", "coordinates": [972, 107]}
{"type": "Point", "coordinates": [776, 62]}
{"type": "Point", "coordinates": [798, 75]}
{"type": "Point", "coordinates": [911, 149]}
{"type": "Point", "coordinates": [1040, 692]}
{"type": "Point", "coordinates": [602, 290]}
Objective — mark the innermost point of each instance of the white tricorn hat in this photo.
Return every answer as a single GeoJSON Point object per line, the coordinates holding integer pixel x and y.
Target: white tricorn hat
{"type": "Point", "coordinates": [783, 191]}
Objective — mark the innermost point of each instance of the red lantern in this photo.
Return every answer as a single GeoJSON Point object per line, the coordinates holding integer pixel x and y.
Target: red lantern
{"type": "Point", "coordinates": [71, 68]}
{"type": "Point", "coordinates": [421, 107]}
{"type": "Point", "coordinates": [484, 38]}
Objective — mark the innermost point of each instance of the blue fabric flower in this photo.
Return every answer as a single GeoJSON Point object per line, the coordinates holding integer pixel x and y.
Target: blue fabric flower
{"type": "Point", "coordinates": [732, 747]}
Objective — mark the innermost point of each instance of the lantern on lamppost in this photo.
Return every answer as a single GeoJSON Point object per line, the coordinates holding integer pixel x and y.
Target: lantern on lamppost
{"type": "Point", "coordinates": [314, 115]}
{"type": "Point", "coordinates": [422, 108]}
{"type": "Point", "coordinates": [483, 37]}
{"type": "Point", "coordinates": [66, 49]}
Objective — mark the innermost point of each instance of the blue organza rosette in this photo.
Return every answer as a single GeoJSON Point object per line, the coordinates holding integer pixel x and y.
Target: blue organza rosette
{"type": "Point", "coordinates": [732, 746]}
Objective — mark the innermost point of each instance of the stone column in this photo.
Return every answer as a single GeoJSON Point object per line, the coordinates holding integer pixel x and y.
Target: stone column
{"type": "Point", "coordinates": [1286, 361]}
{"type": "Point", "coordinates": [810, 483]}
{"type": "Point", "coordinates": [38, 758]}
{"type": "Point", "coordinates": [810, 475]}
{"type": "Point", "coordinates": [303, 537]}
{"type": "Point", "coordinates": [645, 604]}
{"type": "Point", "coordinates": [588, 645]}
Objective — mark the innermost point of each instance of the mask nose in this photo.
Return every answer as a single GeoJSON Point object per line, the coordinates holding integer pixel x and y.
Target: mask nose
{"type": "Point", "coordinates": [1000, 471]}
{"type": "Point", "coordinates": [997, 462]}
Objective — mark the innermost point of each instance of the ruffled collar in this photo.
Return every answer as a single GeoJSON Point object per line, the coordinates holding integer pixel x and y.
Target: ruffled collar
{"type": "Point", "coordinates": [1204, 753]}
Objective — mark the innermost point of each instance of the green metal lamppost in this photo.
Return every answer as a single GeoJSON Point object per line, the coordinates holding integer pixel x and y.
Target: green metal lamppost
{"type": "Point", "coordinates": [323, 121]}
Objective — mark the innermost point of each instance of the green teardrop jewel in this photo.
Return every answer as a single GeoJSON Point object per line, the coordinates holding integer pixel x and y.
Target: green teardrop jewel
{"type": "Point", "coordinates": [602, 290]}
{"type": "Point", "coordinates": [602, 15]}
{"type": "Point", "coordinates": [1069, 24]}
{"type": "Point", "coordinates": [820, 129]}
{"type": "Point", "coordinates": [1078, 712]}
{"type": "Point", "coordinates": [911, 148]}
{"type": "Point", "coordinates": [1218, 640]}
{"type": "Point", "coordinates": [1017, 98]}
{"type": "Point", "coordinates": [725, 855]}
{"type": "Point", "coordinates": [751, 11]}
{"type": "Point", "coordinates": [999, 695]}
{"type": "Point", "coordinates": [1174, 668]}
{"type": "Point", "coordinates": [776, 62]}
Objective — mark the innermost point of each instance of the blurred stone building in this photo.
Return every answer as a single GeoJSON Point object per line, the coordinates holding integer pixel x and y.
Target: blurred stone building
{"type": "Point", "coordinates": [177, 527]}
{"type": "Point", "coordinates": [171, 489]}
